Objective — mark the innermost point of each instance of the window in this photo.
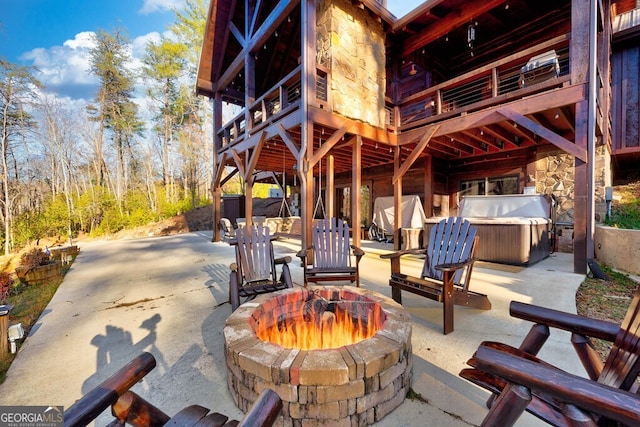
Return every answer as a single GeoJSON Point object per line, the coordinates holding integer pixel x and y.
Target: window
{"type": "Point", "coordinates": [489, 186]}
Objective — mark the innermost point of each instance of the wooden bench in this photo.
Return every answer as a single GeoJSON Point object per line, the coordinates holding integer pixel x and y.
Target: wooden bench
{"type": "Point", "coordinates": [446, 273]}
{"type": "Point", "coordinates": [521, 381]}
{"type": "Point", "coordinates": [129, 408]}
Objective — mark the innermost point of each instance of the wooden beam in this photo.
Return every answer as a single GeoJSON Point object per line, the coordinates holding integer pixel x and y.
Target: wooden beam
{"type": "Point", "coordinates": [552, 137]}
{"type": "Point", "coordinates": [255, 156]}
{"type": "Point", "coordinates": [413, 156]}
{"type": "Point", "coordinates": [329, 144]}
{"type": "Point", "coordinates": [288, 141]}
{"type": "Point", "coordinates": [468, 11]}
{"type": "Point", "coordinates": [325, 118]}
{"type": "Point", "coordinates": [237, 34]}
{"type": "Point", "coordinates": [530, 105]}
{"type": "Point", "coordinates": [279, 13]}
{"type": "Point", "coordinates": [239, 163]}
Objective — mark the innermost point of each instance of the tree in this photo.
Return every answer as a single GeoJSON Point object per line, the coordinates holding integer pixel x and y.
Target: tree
{"type": "Point", "coordinates": [164, 65]}
{"type": "Point", "coordinates": [61, 147]}
{"type": "Point", "coordinates": [17, 90]}
{"type": "Point", "coordinates": [189, 29]}
{"type": "Point", "coordinates": [115, 112]}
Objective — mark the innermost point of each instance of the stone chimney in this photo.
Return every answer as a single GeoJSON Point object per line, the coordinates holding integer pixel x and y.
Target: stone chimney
{"type": "Point", "coordinates": [351, 45]}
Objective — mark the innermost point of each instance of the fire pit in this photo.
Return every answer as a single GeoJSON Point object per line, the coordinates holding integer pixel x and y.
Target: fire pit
{"type": "Point", "coordinates": [320, 379]}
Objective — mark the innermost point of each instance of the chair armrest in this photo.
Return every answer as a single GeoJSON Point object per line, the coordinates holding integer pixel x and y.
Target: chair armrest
{"type": "Point", "coordinates": [233, 266]}
{"type": "Point", "coordinates": [398, 254]}
{"type": "Point", "coordinates": [282, 260]}
{"type": "Point", "coordinates": [590, 395]}
{"type": "Point", "coordinates": [92, 404]}
{"type": "Point", "coordinates": [454, 265]}
{"type": "Point", "coordinates": [264, 411]}
{"type": "Point", "coordinates": [574, 323]}
{"type": "Point", "coordinates": [303, 253]}
{"type": "Point", "coordinates": [358, 252]}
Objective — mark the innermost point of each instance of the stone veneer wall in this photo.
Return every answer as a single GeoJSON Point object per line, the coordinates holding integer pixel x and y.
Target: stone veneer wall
{"type": "Point", "coordinates": [555, 175]}
{"type": "Point", "coordinates": [351, 44]}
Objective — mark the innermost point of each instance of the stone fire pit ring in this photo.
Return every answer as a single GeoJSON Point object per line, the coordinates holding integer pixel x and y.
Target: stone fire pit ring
{"type": "Point", "coordinates": [357, 384]}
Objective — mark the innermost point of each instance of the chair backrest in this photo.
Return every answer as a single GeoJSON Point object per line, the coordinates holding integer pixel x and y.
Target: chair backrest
{"type": "Point", "coordinates": [622, 366]}
{"type": "Point", "coordinates": [254, 254]}
{"type": "Point", "coordinates": [331, 245]}
{"type": "Point", "coordinates": [451, 240]}
{"type": "Point", "coordinates": [226, 227]}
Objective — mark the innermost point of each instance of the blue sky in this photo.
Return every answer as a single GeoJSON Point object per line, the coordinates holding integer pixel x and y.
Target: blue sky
{"type": "Point", "coordinates": [55, 35]}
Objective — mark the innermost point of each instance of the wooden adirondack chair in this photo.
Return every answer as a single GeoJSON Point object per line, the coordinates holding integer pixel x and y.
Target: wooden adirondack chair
{"type": "Point", "coordinates": [331, 251]}
{"type": "Point", "coordinates": [254, 271]}
{"type": "Point", "coordinates": [227, 230]}
{"type": "Point", "coordinates": [129, 408]}
{"type": "Point", "coordinates": [446, 272]}
{"type": "Point", "coordinates": [521, 381]}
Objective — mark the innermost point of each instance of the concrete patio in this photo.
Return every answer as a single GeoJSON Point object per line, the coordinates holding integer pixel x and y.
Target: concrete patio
{"type": "Point", "coordinates": [168, 296]}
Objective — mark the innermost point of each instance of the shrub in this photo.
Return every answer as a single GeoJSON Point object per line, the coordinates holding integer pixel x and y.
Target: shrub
{"type": "Point", "coordinates": [32, 259]}
{"type": "Point", "coordinates": [5, 286]}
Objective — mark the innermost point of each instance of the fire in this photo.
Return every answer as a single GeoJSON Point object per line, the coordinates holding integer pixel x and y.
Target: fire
{"type": "Point", "coordinates": [319, 322]}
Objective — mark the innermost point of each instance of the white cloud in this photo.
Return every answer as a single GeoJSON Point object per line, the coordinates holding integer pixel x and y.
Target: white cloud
{"type": "Point", "coordinates": [139, 44]}
{"type": "Point", "coordinates": [65, 69]}
{"type": "Point", "coordinates": [151, 6]}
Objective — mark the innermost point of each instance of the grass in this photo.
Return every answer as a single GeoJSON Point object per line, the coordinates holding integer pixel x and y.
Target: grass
{"type": "Point", "coordinates": [605, 300]}
{"type": "Point", "coordinates": [29, 301]}
{"type": "Point", "coordinates": [625, 212]}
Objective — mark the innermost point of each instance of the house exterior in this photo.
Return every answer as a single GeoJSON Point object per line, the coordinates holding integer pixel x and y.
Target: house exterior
{"type": "Point", "coordinates": [344, 102]}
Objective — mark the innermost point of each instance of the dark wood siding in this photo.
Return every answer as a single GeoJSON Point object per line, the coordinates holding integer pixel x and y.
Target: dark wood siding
{"type": "Point", "coordinates": [626, 99]}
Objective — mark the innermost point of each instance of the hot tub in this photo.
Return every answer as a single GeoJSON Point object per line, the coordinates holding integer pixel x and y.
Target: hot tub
{"type": "Point", "coordinates": [513, 229]}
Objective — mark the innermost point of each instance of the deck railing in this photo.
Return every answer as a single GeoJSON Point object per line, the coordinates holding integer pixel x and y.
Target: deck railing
{"type": "Point", "coordinates": [481, 87]}
{"type": "Point", "coordinates": [477, 89]}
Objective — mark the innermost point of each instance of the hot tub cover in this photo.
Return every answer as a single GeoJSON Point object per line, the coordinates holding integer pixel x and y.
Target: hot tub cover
{"type": "Point", "coordinates": [506, 206]}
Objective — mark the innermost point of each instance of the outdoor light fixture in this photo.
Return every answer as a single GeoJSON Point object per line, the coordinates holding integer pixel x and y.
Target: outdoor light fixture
{"type": "Point", "coordinates": [15, 333]}
{"type": "Point", "coordinates": [413, 71]}
{"type": "Point", "coordinates": [471, 36]}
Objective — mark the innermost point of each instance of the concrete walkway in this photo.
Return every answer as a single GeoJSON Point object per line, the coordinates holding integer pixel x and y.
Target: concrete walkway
{"type": "Point", "coordinates": [168, 295]}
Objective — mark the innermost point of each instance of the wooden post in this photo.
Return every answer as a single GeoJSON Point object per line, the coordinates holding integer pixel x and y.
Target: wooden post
{"type": "Point", "coordinates": [4, 338]}
{"type": "Point", "coordinates": [428, 186]}
{"type": "Point", "coordinates": [397, 201]}
{"type": "Point", "coordinates": [216, 187]}
{"type": "Point", "coordinates": [356, 183]}
{"type": "Point", "coordinates": [579, 50]}
{"type": "Point", "coordinates": [308, 86]}
{"type": "Point", "coordinates": [330, 188]}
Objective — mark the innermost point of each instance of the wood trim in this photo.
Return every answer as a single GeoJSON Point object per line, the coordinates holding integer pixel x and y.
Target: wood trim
{"type": "Point", "coordinates": [329, 144]}
{"type": "Point", "coordinates": [552, 137]}
{"type": "Point", "coordinates": [467, 11]}
{"type": "Point", "coordinates": [288, 141]}
{"type": "Point", "coordinates": [533, 104]}
{"type": "Point", "coordinates": [413, 156]}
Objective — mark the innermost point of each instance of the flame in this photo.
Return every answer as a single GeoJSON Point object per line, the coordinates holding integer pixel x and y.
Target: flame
{"type": "Point", "coordinates": [318, 323]}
